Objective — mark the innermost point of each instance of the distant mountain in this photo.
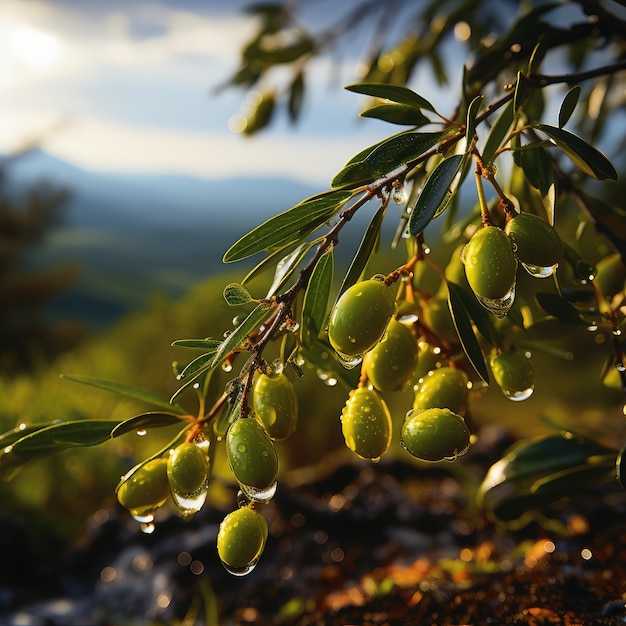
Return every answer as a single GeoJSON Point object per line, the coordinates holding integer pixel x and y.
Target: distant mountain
{"type": "Point", "coordinates": [133, 235]}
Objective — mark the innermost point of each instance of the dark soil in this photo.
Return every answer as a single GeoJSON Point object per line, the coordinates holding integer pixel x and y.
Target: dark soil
{"type": "Point", "coordinates": [366, 545]}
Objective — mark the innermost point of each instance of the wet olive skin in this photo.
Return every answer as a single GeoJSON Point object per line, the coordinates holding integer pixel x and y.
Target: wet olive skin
{"type": "Point", "coordinates": [535, 241]}
{"type": "Point", "coordinates": [146, 487]}
{"type": "Point", "coordinates": [366, 423]}
{"type": "Point", "coordinates": [392, 361]}
{"type": "Point", "coordinates": [251, 454]}
{"type": "Point", "coordinates": [435, 434]}
{"type": "Point", "coordinates": [490, 265]}
{"type": "Point", "coordinates": [512, 372]}
{"type": "Point", "coordinates": [241, 537]}
{"type": "Point", "coordinates": [360, 316]}
{"type": "Point", "coordinates": [275, 404]}
{"type": "Point", "coordinates": [187, 468]}
{"type": "Point", "coordinates": [443, 387]}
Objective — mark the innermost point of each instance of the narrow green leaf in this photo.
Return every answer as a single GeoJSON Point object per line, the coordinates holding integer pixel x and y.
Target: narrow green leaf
{"type": "Point", "coordinates": [619, 467]}
{"type": "Point", "coordinates": [463, 325]}
{"type": "Point", "coordinates": [269, 262]}
{"type": "Point", "coordinates": [11, 436]}
{"type": "Point", "coordinates": [522, 91]}
{"type": "Point", "coordinates": [357, 158]}
{"type": "Point", "coordinates": [256, 317]}
{"type": "Point", "coordinates": [236, 294]}
{"type": "Point", "coordinates": [129, 391]}
{"type": "Point", "coordinates": [540, 456]}
{"type": "Point", "coordinates": [396, 114]}
{"type": "Point", "coordinates": [144, 421]}
{"type": "Point", "coordinates": [437, 193]}
{"type": "Point", "coordinates": [197, 344]}
{"type": "Point", "coordinates": [386, 157]}
{"type": "Point", "coordinates": [198, 365]}
{"type": "Point", "coordinates": [572, 480]}
{"type": "Point", "coordinates": [289, 226]}
{"type": "Point", "coordinates": [395, 93]}
{"type": "Point", "coordinates": [587, 158]}
{"type": "Point", "coordinates": [316, 298]}
{"type": "Point", "coordinates": [568, 105]}
{"type": "Point", "coordinates": [553, 304]}
{"type": "Point", "coordinates": [497, 133]}
{"type": "Point", "coordinates": [287, 266]}
{"type": "Point", "coordinates": [472, 112]}
{"type": "Point", "coordinates": [363, 254]}
{"type": "Point", "coordinates": [483, 320]}
{"type": "Point", "coordinates": [58, 437]}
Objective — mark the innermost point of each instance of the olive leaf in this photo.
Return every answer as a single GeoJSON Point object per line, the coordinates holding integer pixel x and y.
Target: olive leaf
{"type": "Point", "coordinates": [122, 389]}
{"type": "Point", "coordinates": [316, 299]}
{"type": "Point", "coordinates": [536, 164]}
{"type": "Point", "coordinates": [472, 112]}
{"type": "Point", "coordinates": [321, 356]}
{"type": "Point", "coordinates": [363, 254]}
{"type": "Point", "coordinates": [254, 319]}
{"type": "Point", "coordinates": [587, 158]}
{"type": "Point", "coordinates": [555, 305]}
{"type": "Point", "coordinates": [269, 262]}
{"type": "Point", "coordinates": [497, 133]}
{"type": "Point", "coordinates": [144, 421]}
{"type": "Point", "coordinates": [197, 344]}
{"type": "Point", "coordinates": [402, 114]}
{"type": "Point", "coordinates": [568, 105]}
{"type": "Point", "coordinates": [386, 157]}
{"type": "Point", "coordinates": [437, 193]}
{"type": "Point", "coordinates": [395, 93]}
{"type": "Point", "coordinates": [465, 331]}
{"type": "Point", "coordinates": [236, 294]}
{"type": "Point", "coordinates": [287, 266]}
{"type": "Point", "coordinates": [199, 365]}
{"type": "Point", "coordinates": [289, 226]}
{"type": "Point", "coordinates": [57, 437]}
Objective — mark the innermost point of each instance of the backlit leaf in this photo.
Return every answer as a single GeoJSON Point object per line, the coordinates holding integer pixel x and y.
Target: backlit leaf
{"type": "Point", "coordinates": [129, 391]}
{"type": "Point", "coordinates": [568, 105]}
{"type": "Point", "coordinates": [256, 317]}
{"type": "Point", "coordinates": [316, 298]}
{"type": "Point", "coordinates": [287, 266]}
{"type": "Point", "coordinates": [497, 133]}
{"type": "Point", "coordinates": [363, 254]}
{"type": "Point", "coordinates": [386, 157]}
{"type": "Point", "coordinates": [236, 294]}
{"type": "Point", "coordinates": [57, 437]}
{"type": "Point", "coordinates": [145, 421]}
{"type": "Point", "coordinates": [289, 226]}
{"type": "Point", "coordinates": [472, 112]}
{"type": "Point", "coordinates": [587, 158]}
{"type": "Point", "coordinates": [197, 344]}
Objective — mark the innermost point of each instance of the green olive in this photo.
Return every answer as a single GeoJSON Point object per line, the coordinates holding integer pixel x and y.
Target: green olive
{"type": "Point", "coordinates": [276, 405]}
{"type": "Point", "coordinates": [513, 373]}
{"type": "Point", "coordinates": [435, 434]}
{"type": "Point", "coordinates": [360, 317]}
{"type": "Point", "coordinates": [240, 539]}
{"type": "Point", "coordinates": [251, 454]}
{"type": "Point", "coordinates": [187, 468]}
{"type": "Point", "coordinates": [610, 275]}
{"type": "Point", "coordinates": [534, 240]}
{"type": "Point", "coordinates": [392, 361]}
{"type": "Point", "coordinates": [443, 387]}
{"type": "Point", "coordinates": [490, 264]}
{"type": "Point", "coordinates": [366, 423]}
{"type": "Point", "coordinates": [146, 489]}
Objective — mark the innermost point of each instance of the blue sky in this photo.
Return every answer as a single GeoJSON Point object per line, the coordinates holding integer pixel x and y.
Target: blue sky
{"type": "Point", "coordinates": [128, 86]}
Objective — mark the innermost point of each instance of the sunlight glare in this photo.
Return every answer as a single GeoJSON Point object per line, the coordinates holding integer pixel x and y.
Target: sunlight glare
{"type": "Point", "coordinates": [34, 48]}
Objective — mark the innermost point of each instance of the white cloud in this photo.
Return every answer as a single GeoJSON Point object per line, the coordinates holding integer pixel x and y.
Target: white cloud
{"type": "Point", "coordinates": [98, 144]}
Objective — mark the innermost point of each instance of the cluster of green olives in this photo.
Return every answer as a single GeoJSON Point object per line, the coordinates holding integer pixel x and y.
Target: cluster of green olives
{"type": "Point", "coordinates": [492, 254]}
{"type": "Point", "coordinates": [362, 323]}
{"type": "Point", "coordinates": [182, 474]}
